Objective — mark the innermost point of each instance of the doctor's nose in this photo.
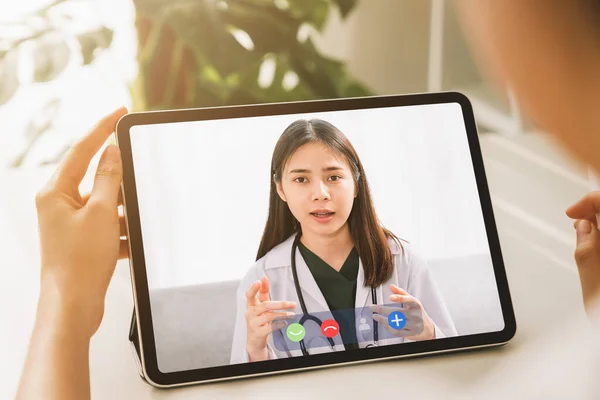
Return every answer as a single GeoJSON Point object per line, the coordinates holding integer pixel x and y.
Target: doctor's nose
{"type": "Point", "coordinates": [320, 192]}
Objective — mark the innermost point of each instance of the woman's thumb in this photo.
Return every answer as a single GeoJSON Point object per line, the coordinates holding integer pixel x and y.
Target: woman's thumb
{"type": "Point", "coordinates": [585, 241]}
{"type": "Point", "coordinates": [109, 174]}
{"type": "Point", "coordinates": [587, 257]}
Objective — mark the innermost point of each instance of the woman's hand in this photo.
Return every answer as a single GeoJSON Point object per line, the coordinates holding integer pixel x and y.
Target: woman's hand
{"type": "Point", "coordinates": [418, 324]}
{"type": "Point", "coordinates": [260, 313]}
{"type": "Point", "coordinates": [80, 235]}
{"type": "Point", "coordinates": [587, 252]}
{"type": "Point", "coordinates": [80, 244]}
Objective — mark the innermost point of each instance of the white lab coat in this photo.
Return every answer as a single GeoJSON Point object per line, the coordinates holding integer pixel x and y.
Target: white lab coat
{"type": "Point", "coordinates": [410, 273]}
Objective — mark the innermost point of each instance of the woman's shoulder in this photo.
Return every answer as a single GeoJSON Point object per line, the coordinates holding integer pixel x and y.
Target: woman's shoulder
{"type": "Point", "coordinates": [409, 265]}
{"type": "Point", "coordinates": [399, 246]}
{"type": "Point", "coordinates": [406, 253]}
{"type": "Point", "coordinates": [278, 256]}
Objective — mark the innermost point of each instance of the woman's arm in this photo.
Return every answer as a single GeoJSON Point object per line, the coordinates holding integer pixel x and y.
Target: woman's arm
{"type": "Point", "coordinates": [80, 245]}
{"type": "Point", "coordinates": [57, 363]}
{"type": "Point", "coordinates": [548, 52]}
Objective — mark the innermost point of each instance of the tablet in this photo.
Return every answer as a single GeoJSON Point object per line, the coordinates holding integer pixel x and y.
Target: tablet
{"type": "Point", "coordinates": [280, 237]}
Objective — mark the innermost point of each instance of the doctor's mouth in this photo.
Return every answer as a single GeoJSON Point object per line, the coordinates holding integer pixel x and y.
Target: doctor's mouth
{"type": "Point", "coordinates": [323, 215]}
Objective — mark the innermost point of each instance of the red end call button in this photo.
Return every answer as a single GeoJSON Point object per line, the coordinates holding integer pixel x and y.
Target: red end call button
{"type": "Point", "coordinates": [330, 328]}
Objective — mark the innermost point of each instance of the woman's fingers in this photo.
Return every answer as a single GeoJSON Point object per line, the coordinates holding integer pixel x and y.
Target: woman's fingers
{"type": "Point", "coordinates": [267, 317]}
{"type": "Point", "coordinates": [74, 165]}
{"type": "Point", "coordinates": [591, 219]}
{"type": "Point", "coordinates": [396, 332]}
{"type": "Point", "coordinates": [586, 207]}
{"type": "Point", "coordinates": [86, 197]}
{"type": "Point", "coordinates": [251, 299]}
{"type": "Point", "coordinates": [272, 305]}
{"type": "Point", "coordinates": [123, 249]}
{"type": "Point", "coordinates": [413, 316]}
{"type": "Point", "coordinates": [277, 325]}
{"type": "Point", "coordinates": [413, 311]}
{"type": "Point", "coordinates": [406, 300]}
{"type": "Point", "coordinates": [381, 319]}
{"type": "Point", "coordinates": [587, 258]}
{"type": "Point", "coordinates": [265, 287]}
{"type": "Point", "coordinates": [384, 310]}
{"type": "Point", "coordinates": [398, 290]}
{"type": "Point", "coordinates": [122, 228]}
{"type": "Point", "coordinates": [412, 327]}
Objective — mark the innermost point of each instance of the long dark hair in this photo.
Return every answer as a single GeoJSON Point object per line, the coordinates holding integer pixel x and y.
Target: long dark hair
{"type": "Point", "coordinates": [367, 232]}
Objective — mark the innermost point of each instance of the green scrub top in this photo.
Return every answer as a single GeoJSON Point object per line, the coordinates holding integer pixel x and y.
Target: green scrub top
{"type": "Point", "coordinates": [338, 289]}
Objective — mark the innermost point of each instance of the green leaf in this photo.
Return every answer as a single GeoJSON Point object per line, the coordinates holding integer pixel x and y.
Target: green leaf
{"type": "Point", "coordinates": [314, 12]}
{"type": "Point", "coordinates": [321, 74]}
{"type": "Point", "coordinates": [356, 90]}
{"type": "Point", "coordinates": [271, 29]}
{"type": "Point", "coordinates": [9, 82]}
{"type": "Point", "coordinates": [210, 74]}
{"type": "Point", "coordinates": [50, 57]}
{"type": "Point", "coordinates": [233, 79]}
{"type": "Point", "coordinates": [207, 32]}
{"type": "Point", "coordinates": [93, 41]}
{"type": "Point", "coordinates": [227, 72]}
{"type": "Point", "coordinates": [345, 6]}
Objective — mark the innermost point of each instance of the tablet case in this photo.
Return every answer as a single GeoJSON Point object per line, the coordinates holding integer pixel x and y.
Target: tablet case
{"type": "Point", "coordinates": [135, 345]}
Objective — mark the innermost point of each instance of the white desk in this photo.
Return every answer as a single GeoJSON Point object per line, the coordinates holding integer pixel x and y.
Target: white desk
{"type": "Point", "coordinates": [540, 290]}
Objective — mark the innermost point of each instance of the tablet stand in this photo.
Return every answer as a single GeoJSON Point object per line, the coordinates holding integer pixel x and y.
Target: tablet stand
{"type": "Point", "coordinates": [135, 345]}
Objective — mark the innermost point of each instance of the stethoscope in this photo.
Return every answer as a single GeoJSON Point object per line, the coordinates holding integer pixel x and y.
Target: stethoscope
{"type": "Point", "coordinates": [306, 316]}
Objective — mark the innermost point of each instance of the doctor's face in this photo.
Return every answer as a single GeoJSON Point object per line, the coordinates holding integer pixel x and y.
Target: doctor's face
{"type": "Point", "coordinates": [318, 186]}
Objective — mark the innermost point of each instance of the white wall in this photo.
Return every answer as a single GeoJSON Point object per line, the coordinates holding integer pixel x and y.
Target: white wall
{"type": "Point", "coordinates": [385, 44]}
{"type": "Point", "coordinates": [203, 187]}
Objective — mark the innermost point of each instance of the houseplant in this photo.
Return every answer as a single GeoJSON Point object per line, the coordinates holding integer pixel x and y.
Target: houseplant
{"type": "Point", "coordinates": [213, 53]}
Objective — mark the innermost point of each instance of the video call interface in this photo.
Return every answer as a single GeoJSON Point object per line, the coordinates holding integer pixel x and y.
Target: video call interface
{"type": "Point", "coordinates": [291, 235]}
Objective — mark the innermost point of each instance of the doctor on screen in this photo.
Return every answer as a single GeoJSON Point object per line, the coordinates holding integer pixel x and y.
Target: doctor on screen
{"type": "Point", "coordinates": [321, 211]}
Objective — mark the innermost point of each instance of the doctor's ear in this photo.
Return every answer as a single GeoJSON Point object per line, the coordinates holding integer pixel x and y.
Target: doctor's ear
{"type": "Point", "coordinates": [280, 191]}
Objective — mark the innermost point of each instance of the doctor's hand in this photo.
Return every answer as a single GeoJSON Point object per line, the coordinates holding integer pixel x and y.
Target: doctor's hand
{"type": "Point", "coordinates": [260, 313]}
{"type": "Point", "coordinates": [418, 324]}
{"type": "Point", "coordinates": [587, 252]}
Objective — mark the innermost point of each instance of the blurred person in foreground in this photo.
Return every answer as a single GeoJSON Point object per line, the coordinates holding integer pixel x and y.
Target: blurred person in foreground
{"type": "Point", "coordinates": [546, 51]}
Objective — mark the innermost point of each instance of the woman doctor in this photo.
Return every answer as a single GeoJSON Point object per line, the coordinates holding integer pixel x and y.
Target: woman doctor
{"type": "Point", "coordinates": [320, 202]}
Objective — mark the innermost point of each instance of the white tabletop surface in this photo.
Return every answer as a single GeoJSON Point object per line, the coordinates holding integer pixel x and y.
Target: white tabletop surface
{"type": "Point", "coordinates": [540, 291]}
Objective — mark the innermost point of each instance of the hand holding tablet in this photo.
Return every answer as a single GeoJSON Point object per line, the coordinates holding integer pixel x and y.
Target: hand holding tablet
{"type": "Point", "coordinates": [79, 246]}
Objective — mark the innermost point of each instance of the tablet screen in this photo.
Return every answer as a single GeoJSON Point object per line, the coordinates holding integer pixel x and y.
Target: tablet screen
{"type": "Point", "coordinates": [290, 235]}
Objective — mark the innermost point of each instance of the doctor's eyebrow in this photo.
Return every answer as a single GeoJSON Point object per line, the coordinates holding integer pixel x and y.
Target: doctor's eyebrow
{"type": "Point", "coordinates": [306, 171]}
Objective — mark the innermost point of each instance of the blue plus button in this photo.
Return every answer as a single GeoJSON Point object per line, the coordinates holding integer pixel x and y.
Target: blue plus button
{"type": "Point", "coordinates": [397, 320]}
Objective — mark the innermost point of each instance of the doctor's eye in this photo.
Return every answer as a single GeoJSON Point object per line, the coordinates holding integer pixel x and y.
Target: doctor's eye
{"type": "Point", "coordinates": [335, 178]}
{"type": "Point", "coordinates": [300, 179]}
